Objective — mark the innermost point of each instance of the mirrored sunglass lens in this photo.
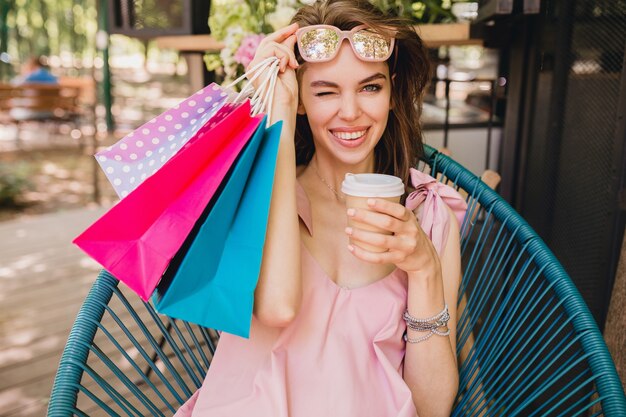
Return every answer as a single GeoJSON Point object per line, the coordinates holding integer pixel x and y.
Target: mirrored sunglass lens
{"type": "Point", "coordinates": [319, 44]}
{"type": "Point", "coordinates": [370, 45]}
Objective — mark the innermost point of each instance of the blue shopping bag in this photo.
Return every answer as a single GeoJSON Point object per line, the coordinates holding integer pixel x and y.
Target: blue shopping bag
{"type": "Point", "coordinates": [212, 281]}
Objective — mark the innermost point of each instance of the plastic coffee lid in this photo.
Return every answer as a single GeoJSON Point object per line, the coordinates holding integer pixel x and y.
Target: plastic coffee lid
{"type": "Point", "coordinates": [372, 185]}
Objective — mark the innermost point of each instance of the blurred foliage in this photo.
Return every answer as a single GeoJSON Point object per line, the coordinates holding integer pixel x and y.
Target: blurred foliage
{"type": "Point", "coordinates": [425, 11]}
{"type": "Point", "coordinates": [233, 21]}
{"type": "Point", "coordinates": [13, 183]}
{"type": "Point", "coordinates": [62, 28]}
{"type": "Point", "coordinates": [67, 28]}
{"type": "Point", "coordinates": [158, 13]}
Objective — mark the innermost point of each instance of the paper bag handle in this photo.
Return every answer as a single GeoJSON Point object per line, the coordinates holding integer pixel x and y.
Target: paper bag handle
{"type": "Point", "coordinates": [262, 97]}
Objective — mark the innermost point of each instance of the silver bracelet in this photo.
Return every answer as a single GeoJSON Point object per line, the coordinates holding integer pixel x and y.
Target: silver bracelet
{"type": "Point", "coordinates": [430, 325]}
{"type": "Point", "coordinates": [419, 339]}
{"type": "Point", "coordinates": [438, 320]}
{"type": "Point", "coordinates": [442, 313]}
{"type": "Point", "coordinates": [425, 327]}
{"type": "Point", "coordinates": [426, 336]}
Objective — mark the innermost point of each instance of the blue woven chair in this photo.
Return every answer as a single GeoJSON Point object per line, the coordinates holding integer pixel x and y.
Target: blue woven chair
{"type": "Point", "coordinates": [527, 343]}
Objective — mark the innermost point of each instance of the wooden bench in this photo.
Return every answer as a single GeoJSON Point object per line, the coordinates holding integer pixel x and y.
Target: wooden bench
{"type": "Point", "coordinates": [40, 103]}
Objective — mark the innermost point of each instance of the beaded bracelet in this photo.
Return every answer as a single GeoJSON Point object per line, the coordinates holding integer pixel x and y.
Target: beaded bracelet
{"type": "Point", "coordinates": [430, 325]}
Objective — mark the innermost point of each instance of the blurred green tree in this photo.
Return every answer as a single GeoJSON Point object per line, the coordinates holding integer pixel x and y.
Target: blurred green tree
{"type": "Point", "coordinates": [59, 28]}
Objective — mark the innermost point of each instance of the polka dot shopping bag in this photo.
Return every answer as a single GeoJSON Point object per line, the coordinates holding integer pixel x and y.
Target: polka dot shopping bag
{"type": "Point", "coordinates": [145, 150]}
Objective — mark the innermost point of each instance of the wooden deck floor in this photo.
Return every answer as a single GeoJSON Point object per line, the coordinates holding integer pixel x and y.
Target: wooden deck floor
{"type": "Point", "coordinates": [43, 280]}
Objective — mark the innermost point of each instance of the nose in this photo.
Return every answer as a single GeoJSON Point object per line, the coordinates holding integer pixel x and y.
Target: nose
{"type": "Point", "coordinates": [350, 108]}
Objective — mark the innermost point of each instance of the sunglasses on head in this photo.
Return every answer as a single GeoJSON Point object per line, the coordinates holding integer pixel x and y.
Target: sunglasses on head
{"type": "Point", "coordinates": [320, 43]}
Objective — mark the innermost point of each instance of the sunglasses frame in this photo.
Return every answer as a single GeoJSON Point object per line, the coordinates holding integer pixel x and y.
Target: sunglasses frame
{"type": "Point", "coordinates": [343, 34]}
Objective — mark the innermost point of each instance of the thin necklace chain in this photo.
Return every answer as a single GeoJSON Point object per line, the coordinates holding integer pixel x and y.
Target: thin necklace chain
{"type": "Point", "coordinates": [330, 187]}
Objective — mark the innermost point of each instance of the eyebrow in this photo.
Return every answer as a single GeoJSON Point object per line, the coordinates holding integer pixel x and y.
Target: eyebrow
{"type": "Point", "coordinates": [322, 83]}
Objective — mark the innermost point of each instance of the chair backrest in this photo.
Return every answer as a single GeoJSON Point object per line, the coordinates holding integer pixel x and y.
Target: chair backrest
{"type": "Point", "coordinates": [527, 344]}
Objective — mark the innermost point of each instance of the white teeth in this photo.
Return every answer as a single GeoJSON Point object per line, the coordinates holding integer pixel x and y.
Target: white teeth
{"type": "Point", "coordinates": [349, 135]}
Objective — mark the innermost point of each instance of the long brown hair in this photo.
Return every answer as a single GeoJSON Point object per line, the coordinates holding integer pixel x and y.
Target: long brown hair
{"type": "Point", "coordinates": [401, 144]}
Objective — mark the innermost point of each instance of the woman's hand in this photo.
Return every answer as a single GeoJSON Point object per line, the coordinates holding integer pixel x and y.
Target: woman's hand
{"type": "Point", "coordinates": [281, 45]}
{"type": "Point", "coordinates": [407, 246]}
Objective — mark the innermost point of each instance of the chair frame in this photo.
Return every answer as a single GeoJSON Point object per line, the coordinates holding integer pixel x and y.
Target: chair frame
{"type": "Point", "coordinates": [508, 397]}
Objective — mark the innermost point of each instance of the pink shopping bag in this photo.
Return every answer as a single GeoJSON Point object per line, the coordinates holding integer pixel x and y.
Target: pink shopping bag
{"type": "Point", "coordinates": [136, 239]}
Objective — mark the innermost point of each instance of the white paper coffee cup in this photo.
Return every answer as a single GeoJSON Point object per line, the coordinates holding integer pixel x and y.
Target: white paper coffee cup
{"type": "Point", "coordinates": [358, 188]}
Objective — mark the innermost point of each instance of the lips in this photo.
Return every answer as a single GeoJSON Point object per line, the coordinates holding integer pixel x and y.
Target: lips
{"type": "Point", "coordinates": [349, 134]}
{"type": "Point", "coordinates": [349, 137]}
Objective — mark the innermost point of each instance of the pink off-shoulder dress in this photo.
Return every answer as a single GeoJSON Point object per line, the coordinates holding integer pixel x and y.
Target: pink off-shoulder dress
{"type": "Point", "coordinates": [341, 356]}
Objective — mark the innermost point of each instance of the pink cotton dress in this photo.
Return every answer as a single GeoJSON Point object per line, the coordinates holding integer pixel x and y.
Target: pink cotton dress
{"type": "Point", "coordinates": [342, 355]}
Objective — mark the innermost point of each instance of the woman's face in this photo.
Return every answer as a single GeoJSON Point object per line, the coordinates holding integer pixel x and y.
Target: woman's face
{"type": "Point", "coordinates": [347, 103]}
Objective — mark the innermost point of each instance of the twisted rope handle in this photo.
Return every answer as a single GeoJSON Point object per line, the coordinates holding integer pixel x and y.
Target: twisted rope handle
{"type": "Point", "coordinates": [262, 97]}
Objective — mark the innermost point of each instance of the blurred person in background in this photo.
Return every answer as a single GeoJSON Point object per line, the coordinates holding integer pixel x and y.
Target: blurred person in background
{"type": "Point", "coordinates": [35, 71]}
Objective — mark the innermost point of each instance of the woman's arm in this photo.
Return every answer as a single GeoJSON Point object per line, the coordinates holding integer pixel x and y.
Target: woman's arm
{"type": "Point", "coordinates": [279, 290]}
{"type": "Point", "coordinates": [430, 369]}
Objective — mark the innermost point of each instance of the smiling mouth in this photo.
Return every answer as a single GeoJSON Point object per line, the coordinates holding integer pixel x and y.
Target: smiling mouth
{"type": "Point", "coordinates": [348, 135]}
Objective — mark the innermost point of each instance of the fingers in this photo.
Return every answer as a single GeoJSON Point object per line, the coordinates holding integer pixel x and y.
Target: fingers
{"type": "Point", "coordinates": [282, 40]}
{"type": "Point", "coordinates": [405, 244]}
{"type": "Point", "coordinates": [382, 241]}
{"type": "Point", "coordinates": [283, 51]}
{"type": "Point", "coordinates": [379, 220]}
{"type": "Point", "coordinates": [373, 257]}
{"type": "Point", "coordinates": [399, 250]}
{"type": "Point", "coordinates": [388, 207]}
{"type": "Point", "coordinates": [400, 241]}
{"type": "Point", "coordinates": [281, 34]}
{"type": "Point", "coordinates": [290, 44]}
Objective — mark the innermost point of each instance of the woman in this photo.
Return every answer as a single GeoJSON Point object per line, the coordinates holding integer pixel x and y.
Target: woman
{"type": "Point", "coordinates": [338, 330]}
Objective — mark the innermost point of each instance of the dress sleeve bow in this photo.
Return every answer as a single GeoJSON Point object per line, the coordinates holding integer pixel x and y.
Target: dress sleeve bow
{"type": "Point", "coordinates": [436, 198]}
